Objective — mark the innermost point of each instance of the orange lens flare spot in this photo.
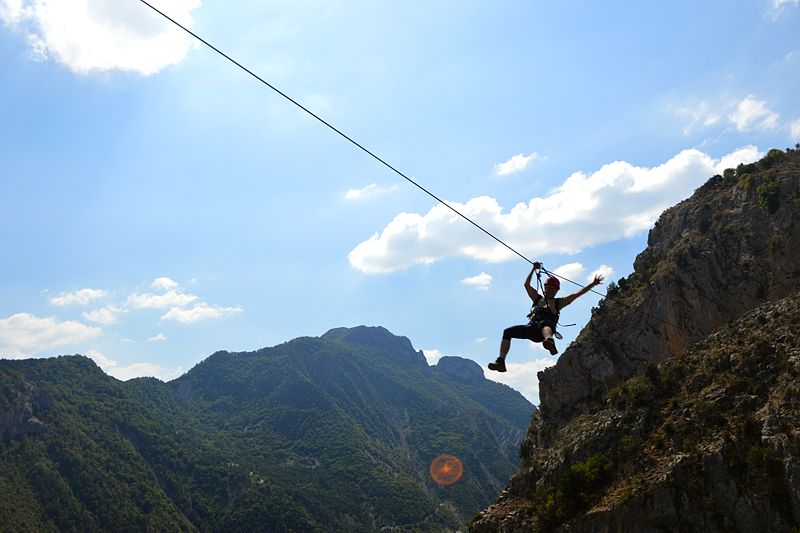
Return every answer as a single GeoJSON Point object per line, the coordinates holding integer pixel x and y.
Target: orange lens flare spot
{"type": "Point", "coordinates": [446, 469]}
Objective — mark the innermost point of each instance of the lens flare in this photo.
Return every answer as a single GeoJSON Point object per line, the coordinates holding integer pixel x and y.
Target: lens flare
{"type": "Point", "coordinates": [446, 469]}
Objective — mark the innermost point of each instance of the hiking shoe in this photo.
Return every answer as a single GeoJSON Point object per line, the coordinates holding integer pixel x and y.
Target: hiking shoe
{"type": "Point", "coordinates": [550, 346]}
{"type": "Point", "coordinates": [499, 365]}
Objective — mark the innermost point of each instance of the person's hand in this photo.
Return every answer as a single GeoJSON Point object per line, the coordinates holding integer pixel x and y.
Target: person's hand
{"type": "Point", "coordinates": [598, 279]}
{"type": "Point", "coordinates": [537, 265]}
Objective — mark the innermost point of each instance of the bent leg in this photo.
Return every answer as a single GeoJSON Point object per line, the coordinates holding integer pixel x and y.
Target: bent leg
{"type": "Point", "coordinates": [505, 345]}
{"type": "Point", "coordinates": [515, 332]}
{"type": "Point", "coordinates": [549, 343]}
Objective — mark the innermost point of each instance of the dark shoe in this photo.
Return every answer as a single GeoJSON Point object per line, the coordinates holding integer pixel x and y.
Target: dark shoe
{"type": "Point", "coordinates": [499, 365]}
{"type": "Point", "coordinates": [550, 346]}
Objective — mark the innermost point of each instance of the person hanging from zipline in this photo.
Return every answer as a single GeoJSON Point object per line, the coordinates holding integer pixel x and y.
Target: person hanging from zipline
{"type": "Point", "coordinates": [543, 316]}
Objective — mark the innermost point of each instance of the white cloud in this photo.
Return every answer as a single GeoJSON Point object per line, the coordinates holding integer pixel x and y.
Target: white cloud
{"type": "Point", "coordinates": [522, 377]}
{"type": "Point", "coordinates": [482, 282]}
{"type": "Point", "coordinates": [11, 11]}
{"type": "Point", "coordinates": [603, 270]}
{"type": "Point", "coordinates": [26, 334]}
{"type": "Point", "coordinates": [171, 297]}
{"type": "Point", "coordinates": [158, 338]}
{"type": "Point", "coordinates": [135, 370]}
{"type": "Point", "coordinates": [200, 311]}
{"type": "Point", "coordinates": [174, 298]}
{"type": "Point", "coordinates": [105, 315]}
{"type": "Point", "coordinates": [747, 154]}
{"type": "Point", "coordinates": [794, 128]}
{"type": "Point", "coordinates": [742, 115]}
{"type": "Point", "coordinates": [103, 35]}
{"type": "Point", "coordinates": [569, 271]}
{"type": "Point", "coordinates": [618, 200]}
{"type": "Point", "coordinates": [698, 115]}
{"type": "Point", "coordinates": [518, 163]}
{"type": "Point", "coordinates": [82, 297]}
{"type": "Point", "coordinates": [751, 113]}
{"type": "Point", "coordinates": [432, 356]}
{"type": "Point", "coordinates": [481, 340]}
{"type": "Point", "coordinates": [370, 191]}
{"type": "Point", "coordinates": [164, 283]}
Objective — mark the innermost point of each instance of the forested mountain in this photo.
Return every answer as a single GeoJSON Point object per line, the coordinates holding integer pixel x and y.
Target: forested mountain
{"type": "Point", "coordinates": [335, 433]}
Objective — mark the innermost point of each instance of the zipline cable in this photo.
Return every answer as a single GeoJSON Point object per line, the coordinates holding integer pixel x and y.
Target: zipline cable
{"type": "Point", "coordinates": [332, 127]}
{"type": "Point", "coordinates": [369, 152]}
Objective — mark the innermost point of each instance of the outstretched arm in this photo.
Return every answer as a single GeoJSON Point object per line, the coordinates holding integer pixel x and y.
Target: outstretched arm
{"type": "Point", "coordinates": [528, 287]}
{"type": "Point", "coordinates": [569, 299]}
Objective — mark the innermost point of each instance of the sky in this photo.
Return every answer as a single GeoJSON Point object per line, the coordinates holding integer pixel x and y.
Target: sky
{"type": "Point", "coordinates": [157, 204]}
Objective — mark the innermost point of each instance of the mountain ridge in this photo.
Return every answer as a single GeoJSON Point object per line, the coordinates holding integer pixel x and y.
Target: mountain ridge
{"type": "Point", "coordinates": [257, 437]}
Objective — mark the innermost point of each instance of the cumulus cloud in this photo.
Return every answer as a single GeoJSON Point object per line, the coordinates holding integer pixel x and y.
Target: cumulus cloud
{"type": "Point", "coordinates": [102, 35]}
{"type": "Point", "coordinates": [482, 282]}
{"type": "Point", "coordinates": [603, 270]}
{"type": "Point", "coordinates": [24, 334]}
{"type": "Point", "coordinates": [82, 297]}
{"type": "Point", "coordinates": [432, 356]}
{"type": "Point", "coordinates": [168, 294]}
{"type": "Point", "coordinates": [105, 315]}
{"type": "Point", "coordinates": [618, 200]}
{"type": "Point", "coordinates": [135, 370]}
{"type": "Point", "coordinates": [752, 113]}
{"type": "Point", "coordinates": [171, 298]}
{"type": "Point", "coordinates": [570, 270]}
{"type": "Point", "coordinates": [522, 377]}
{"type": "Point", "coordinates": [370, 191]}
{"type": "Point", "coordinates": [518, 163]}
{"type": "Point", "coordinates": [165, 284]}
{"type": "Point", "coordinates": [200, 311]}
{"type": "Point", "coordinates": [158, 338]}
{"type": "Point", "coordinates": [574, 271]}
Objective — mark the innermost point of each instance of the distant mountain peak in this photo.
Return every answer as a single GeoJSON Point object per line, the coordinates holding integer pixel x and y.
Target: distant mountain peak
{"type": "Point", "coordinates": [379, 338]}
{"type": "Point", "coordinates": [461, 369]}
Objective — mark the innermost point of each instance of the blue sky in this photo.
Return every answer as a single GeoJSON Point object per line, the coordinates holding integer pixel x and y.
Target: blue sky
{"type": "Point", "coordinates": [157, 204]}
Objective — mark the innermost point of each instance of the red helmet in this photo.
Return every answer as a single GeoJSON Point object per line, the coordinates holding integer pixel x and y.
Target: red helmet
{"type": "Point", "coordinates": [552, 280]}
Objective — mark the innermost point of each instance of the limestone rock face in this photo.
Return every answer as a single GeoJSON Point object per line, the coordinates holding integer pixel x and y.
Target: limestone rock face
{"type": "Point", "coordinates": [709, 259]}
{"type": "Point", "coordinates": [705, 441]}
{"type": "Point", "coordinates": [677, 408]}
{"type": "Point", "coordinates": [17, 413]}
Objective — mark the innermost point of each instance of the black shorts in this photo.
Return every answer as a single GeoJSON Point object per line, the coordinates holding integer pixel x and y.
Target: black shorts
{"type": "Point", "coordinates": [532, 331]}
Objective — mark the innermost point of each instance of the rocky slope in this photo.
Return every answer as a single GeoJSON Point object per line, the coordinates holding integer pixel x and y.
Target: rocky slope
{"type": "Point", "coordinates": [676, 408]}
{"type": "Point", "coordinates": [730, 247]}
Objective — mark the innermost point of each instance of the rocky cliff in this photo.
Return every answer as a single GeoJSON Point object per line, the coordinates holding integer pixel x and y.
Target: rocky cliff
{"type": "Point", "coordinates": [730, 247]}
{"type": "Point", "coordinates": [676, 407]}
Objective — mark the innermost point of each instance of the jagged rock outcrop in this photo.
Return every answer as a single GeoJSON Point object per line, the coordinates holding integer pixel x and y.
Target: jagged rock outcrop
{"type": "Point", "coordinates": [707, 441]}
{"type": "Point", "coordinates": [677, 407]}
{"type": "Point", "coordinates": [17, 416]}
{"type": "Point", "coordinates": [730, 247]}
